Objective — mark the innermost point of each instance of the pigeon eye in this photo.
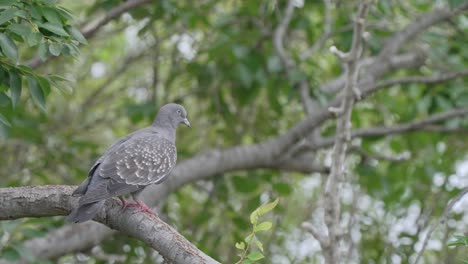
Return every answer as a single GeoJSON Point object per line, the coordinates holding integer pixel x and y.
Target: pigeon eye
{"type": "Point", "coordinates": [179, 112]}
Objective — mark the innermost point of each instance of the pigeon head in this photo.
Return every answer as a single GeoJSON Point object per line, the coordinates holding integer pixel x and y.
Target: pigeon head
{"type": "Point", "coordinates": [171, 115]}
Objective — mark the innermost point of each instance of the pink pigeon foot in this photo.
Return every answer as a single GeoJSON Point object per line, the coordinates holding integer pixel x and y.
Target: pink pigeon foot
{"type": "Point", "coordinates": [124, 202]}
{"type": "Point", "coordinates": [142, 207]}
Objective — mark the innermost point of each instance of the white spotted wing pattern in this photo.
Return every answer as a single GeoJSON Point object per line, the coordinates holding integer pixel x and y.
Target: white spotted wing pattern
{"type": "Point", "coordinates": [143, 161]}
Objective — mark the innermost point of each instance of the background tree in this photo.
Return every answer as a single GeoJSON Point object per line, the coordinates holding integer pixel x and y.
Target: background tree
{"type": "Point", "coordinates": [353, 113]}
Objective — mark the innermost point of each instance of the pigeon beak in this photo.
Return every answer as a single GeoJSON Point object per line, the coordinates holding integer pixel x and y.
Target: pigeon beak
{"type": "Point", "coordinates": [186, 122]}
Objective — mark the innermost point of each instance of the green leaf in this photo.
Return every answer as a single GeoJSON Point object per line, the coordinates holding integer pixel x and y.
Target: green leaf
{"type": "Point", "coordinates": [37, 93]}
{"type": "Point", "coordinates": [45, 84]}
{"type": "Point", "coordinates": [240, 245]}
{"type": "Point", "coordinates": [254, 217]}
{"type": "Point", "coordinates": [259, 244]}
{"type": "Point", "coordinates": [249, 238]}
{"type": "Point", "coordinates": [4, 99]}
{"type": "Point", "coordinates": [267, 207]}
{"type": "Point", "coordinates": [15, 88]}
{"type": "Point", "coordinates": [7, 3]}
{"type": "Point", "coordinates": [10, 254]}
{"type": "Point", "coordinates": [43, 51]}
{"type": "Point", "coordinates": [282, 188]}
{"type": "Point", "coordinates": [33, 38]}
{"type": "Point", "coordinates": [4, 120]}
{"type": "Point", "coordinates": [255, 256]}
{"type": "Point", "coordinates": [8, 47]}
{"type": "Point", "coordinates": [54, 29]}
{"type": "Point", "coordinates": [20, 29]}
{"type": "Point", "coordinates": [247, 261]}
{"type": "Point", "coordinates": [459, 241]}
{"type": "Point", "coordinates": [76, 34]}
{"type": "Point", "coordinates": [51, 15]}
{"type": "Point", "coordinates": [35, 12]}
{"type": "Point", "coordinates": [263, 226]}
{"type": "Point", "coordinates": [7, 15]}
{"type": "Point", "coordinates": [244, 184]}
{"type": "Point", "coordinates": [55, 49]}
{"type": "Point", "coordinates": [65, 13]}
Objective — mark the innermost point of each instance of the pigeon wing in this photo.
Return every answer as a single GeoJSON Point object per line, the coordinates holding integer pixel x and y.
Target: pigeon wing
{"type": "Point", "coordinates": [141, 161]}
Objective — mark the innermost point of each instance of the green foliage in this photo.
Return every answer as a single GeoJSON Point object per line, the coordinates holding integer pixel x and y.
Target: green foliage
{"type": "Point", "coordinates": [237, 92]}
{"type": "Point", "coordinates": [248, 255]}
{"type": "Point", "coordinates": [460, 241]}
{"type": "Point", "coordinates": [26, 26]}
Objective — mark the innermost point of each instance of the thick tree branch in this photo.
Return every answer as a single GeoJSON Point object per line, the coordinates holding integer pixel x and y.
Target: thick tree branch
{"type": "Point", "coordinates": [40, 201]}
{"type": "Point", "coordinates": [66, 239]}
{"type": "Point", "coordinates": [217, 162]}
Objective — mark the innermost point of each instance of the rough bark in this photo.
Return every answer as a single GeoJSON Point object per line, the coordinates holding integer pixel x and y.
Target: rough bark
{"type": "Point", "coordinates": [41, 201]}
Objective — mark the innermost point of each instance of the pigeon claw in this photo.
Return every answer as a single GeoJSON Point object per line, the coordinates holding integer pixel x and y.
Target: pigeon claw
{"type": "Point", "coordinates": [141, 207]}
{"type": "Point", "coordinates": [124, 202]}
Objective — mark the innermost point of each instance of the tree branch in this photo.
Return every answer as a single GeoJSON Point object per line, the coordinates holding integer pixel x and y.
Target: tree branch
{"type": "Point", "coordinates": [442, 219]}
{"type": "Point", "coordinates": [343, 129]}
{"type": "Point", "coordinates": [375, 68]}
{"type": "Point", "coordinates": [40, 201]}
{"type": "Point", "coordinates": [383, 62]}
{"type": "Point", "coordinates": [378, 131]}
{"type": "Point", "coordinates": [289, 64]}
{"type": "Point", "coordinates": [422, 23]}
{"type": "Point", "coordinates": [217, 162]}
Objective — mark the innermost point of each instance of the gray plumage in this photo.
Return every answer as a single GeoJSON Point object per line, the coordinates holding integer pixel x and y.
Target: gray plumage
{"type": "Point", "coordinates": [135, 161]}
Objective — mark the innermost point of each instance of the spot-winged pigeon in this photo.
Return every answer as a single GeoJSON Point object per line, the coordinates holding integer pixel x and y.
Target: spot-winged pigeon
{"type": "Point", "coordinates": [135, 161]}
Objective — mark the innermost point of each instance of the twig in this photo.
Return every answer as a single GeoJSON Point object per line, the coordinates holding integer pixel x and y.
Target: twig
{"type": "Point", "coordinates": [418, 125]}
{"type": "Point", "coordinates": [343, 130]}
{"type": "Point", "coordinates": [327, 32]}
{"type": "Point", "coordinates": [280, 33]}
{"type": "Point", "coordinates": [441, 219]}
{"type": "Point", "coordinates": [442, 77]}
{"type": "Point", "coordinates": [289, 64]}
{"type": "Point", "coordinates": [321, 238]}
{"type": "Point", "coordinates": [378, 156]}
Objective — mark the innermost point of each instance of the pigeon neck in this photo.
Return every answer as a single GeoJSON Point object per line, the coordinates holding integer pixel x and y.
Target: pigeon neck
{"type": "Point", "coordinates": [166, 129]}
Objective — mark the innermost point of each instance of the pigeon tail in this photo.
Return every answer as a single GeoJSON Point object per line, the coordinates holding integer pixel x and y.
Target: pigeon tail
{"type": "Point", "coordinates": [85, 212]}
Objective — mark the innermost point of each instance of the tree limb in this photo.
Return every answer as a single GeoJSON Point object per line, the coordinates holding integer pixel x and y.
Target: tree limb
{"type": "Point", "coordinates": [383, 62]}
{"type": "Point", "coordinates": [217, 162]}
{"type": "Point", "coordinates": [343, 129]}
{"type": "Point", "coordinates": [40, 201]}
{"type": "Point", "coordinates": [378, 131]}
{"type": "Point", "coordinates": [375, 68]}
{"type": "Point", "coordinates": [422, 23]}
{"type": "Point", "coordinates": [289, 64]}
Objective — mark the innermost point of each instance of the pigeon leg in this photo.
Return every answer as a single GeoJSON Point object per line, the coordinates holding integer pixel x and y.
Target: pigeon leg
{"type": "Point", "coordinates": [124, 202]}
{"type": "Point", "coordinates": [142, 207]}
